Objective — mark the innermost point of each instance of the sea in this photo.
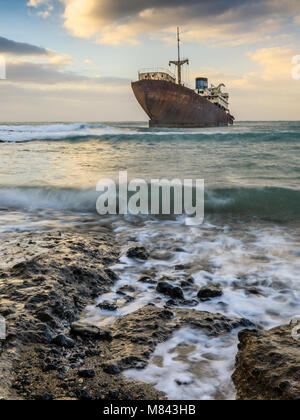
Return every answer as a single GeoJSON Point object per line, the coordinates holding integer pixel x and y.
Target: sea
{"type": "Point", "coordinates": [249, 243]}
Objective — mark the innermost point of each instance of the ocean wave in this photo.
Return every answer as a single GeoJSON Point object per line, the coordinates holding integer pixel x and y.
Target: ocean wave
{"type": "Point", "coordinates": [277, 204]}
{"type": "Point", "coordinates": [85, 132]}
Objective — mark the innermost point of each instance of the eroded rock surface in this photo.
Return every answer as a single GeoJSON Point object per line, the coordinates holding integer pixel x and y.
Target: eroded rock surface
{"type": "Point", "coordinates": [95, 365]}
{"type": "Point", "coordinates": [268, 365]}
{"type": "Point", "coordinates": [46, 280]}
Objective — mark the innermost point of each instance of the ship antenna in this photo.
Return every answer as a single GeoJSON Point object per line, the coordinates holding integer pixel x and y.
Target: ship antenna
{"type": "Point", "coordinates": [178, 38]}
{"type": "Point", "coordinates": [180, 62]}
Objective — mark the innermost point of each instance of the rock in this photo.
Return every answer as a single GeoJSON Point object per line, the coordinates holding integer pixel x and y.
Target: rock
{"type": "Point", "coordinates": [113, 394]}
{"type": "Point", "coordinates": [50, 367]}
{"type": "Point", "coordinates": [111, 369]}
{"type": "Point", "coordinates": [185, 284]}
{"type": "Point", "coordinates": [86, 373]}
{"type": "Point", "coordinates": [166, 314]}
{"type": "Point", "coordinates": [268, 365]}
{"type": "Point", "coordinates": [169, 290]}
{"type": "Point", "coordinates": [253, 291]}
{"type": "Point", "coordinates": [84, 395]}
{"type": "Point", "coordinates": [111, 274]}
{"type": "Point", "coordinates": [92, 353]}
{"type": "Point", "coordinates": [147, 280]}
{"type": "Point", "coordinates": [62, 340]}
{"type": "Point", "coordinates": [85, 330]}
{"type": "Point", "coordinates": [107, 306]}
{"type": "Point", "coordinates": [191, 302]}
{"type": "Point", "coordinates": [128, 288]}
{"type": "Point", "coordinates": [46, 397]}
{"type": "Point", "coordinates": [179, 267]}
{"type": "Point", "coordinates": [138, 252]}
{"type": "Point", "coordinates": [209, 292]}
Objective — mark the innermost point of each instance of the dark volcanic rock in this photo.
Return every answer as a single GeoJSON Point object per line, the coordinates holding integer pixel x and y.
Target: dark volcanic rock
{"type": "Point", "coordinates": [107, 306]}
{"type": "Point", "coordinates": [169, 290]}
{"type": "Point", "coordinates": [133, 339]}
{"type": "Point", "coordinates": [85, 330]}
{"type": "Point", "coordinates": [84, 395]}
{"type": "Point", "coordinates": [63, 341]}
{"type": "Point", "coordinates": [138, 252]}
{"type": "Point", "coordinates": [111, 369]}
{"type": "Point", "coordinates": [147, 280]}
{"type": "Point", "coordinates": [209, 292]}
{"type": "Point", "coordinates": [128, 288]}
{"type": "Point", "coordinates": [46, 280]}
{"type": "Point", "coordinates": [86, 373]}
{"type": "Point", "coordinates": [113, 394]}
{"type": "Point", "coordinates": [268, 365]}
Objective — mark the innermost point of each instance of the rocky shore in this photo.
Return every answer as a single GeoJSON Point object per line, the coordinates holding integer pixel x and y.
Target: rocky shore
{"type": "Point", "coordinates": [46, 282]}
{"type": "Point", "coordinates": [268, 365]}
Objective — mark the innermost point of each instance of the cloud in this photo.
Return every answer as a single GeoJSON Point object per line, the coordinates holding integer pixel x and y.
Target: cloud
{"type": "Point", "coordinates": [230, 21]}
{"type": "Point", "coordinates": [47, 7]}
{"type": "Point", "coordinates": [38, 73]}
{"type": "Point", "coordinates": [8, 46]}
{"type": "Point", "coordinates": [270, 93]}
{"type": "Point", "coordinates": [275, 62]}
{"type": "Point", "coordinates": [72, 102]}
{"type": "Point", "coordinates": [42, 74]}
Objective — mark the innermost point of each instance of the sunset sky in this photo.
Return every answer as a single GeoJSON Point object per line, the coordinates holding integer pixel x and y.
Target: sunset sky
{"type": "Point", "coordinates": [73, 60]}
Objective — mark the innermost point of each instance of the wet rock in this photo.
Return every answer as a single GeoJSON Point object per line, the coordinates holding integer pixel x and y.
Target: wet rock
{"type": "Point", "coordinates": [85, 330]}
{"type": "Point", "coordinates": [62, 340]}
{"type": "Point", "coordinates": [185, 284]}
{"type": "Point", "coordinates": [134, 339]}
{"type": "Point", "coordinates": [254, 291]}
{"type": "Point", "coordinates": [268, 365]}
{"type": "Point", "coordinates": [209, 292]}
{"type": "Point", "coordinates": [147, 280]}
{"type": "Point", "coordinates": [111, 274]}
{"type": "Point", "coordinates": [166, 314]}
{"type": "Point", "coordinates": [125, 289]}
{"type": "Point", "coordinates": [170, 290]}
{"type": "Point", "coordinates": [138, 252]}
{"type": "Point", "coordinates": [179, 267]}
{"type": "Point", "coordinates": [171, 303]}
{"type": "Point", "coordinates": [86, 373]}
{"type": "Point", "coordinates": [107, 306]}
{"type": "Point", "coordinates": [191, 302]}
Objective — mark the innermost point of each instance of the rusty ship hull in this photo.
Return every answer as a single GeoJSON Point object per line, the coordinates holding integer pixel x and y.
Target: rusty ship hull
{"type": "Point", "coordinates": [171, 105]}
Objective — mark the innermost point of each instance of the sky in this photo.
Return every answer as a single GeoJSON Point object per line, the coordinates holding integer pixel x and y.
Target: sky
{"type": "Point", "coordinates": [74, 60]}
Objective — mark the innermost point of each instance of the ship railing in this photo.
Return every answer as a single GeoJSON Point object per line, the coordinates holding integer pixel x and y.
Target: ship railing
{"type": "Point", "coordinates": [157, 70]}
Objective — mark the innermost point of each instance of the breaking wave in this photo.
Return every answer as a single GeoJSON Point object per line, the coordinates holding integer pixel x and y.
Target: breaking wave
{"type": "Point", "coordinates": [85, 132]}
{"type": "Point", "coordinates": [276, 204]}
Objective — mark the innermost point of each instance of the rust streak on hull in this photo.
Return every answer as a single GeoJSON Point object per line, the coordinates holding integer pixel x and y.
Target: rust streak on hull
{"type": "Point", "coordinates": [171, 105]}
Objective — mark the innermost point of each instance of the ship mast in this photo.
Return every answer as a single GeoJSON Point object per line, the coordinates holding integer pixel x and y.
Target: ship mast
{"type": "Point", "coordinates": [179, 63]}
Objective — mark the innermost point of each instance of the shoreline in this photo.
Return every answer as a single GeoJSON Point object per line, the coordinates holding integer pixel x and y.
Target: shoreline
{"type": "Point", "coordinates": [46, 282]}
